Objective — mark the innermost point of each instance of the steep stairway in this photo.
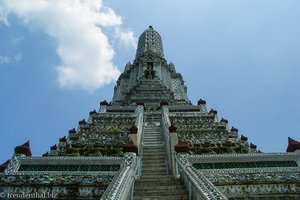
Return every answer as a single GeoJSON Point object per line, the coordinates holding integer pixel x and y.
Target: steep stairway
{"type": "Point", "coordinates": [154, 183]}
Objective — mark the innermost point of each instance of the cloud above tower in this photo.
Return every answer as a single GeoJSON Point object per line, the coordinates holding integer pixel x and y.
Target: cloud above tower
{"type": "Point", "coordinates": [82, 44]}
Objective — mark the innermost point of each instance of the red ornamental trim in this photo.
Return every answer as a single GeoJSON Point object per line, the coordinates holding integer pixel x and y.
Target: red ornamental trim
{"type": "Point", "coordinates": [234, 129]}
{"type": "Point", "coordinates": [213, 111]}
{"type": "Point", "coordinates": [164, 103]}
{"type": "Point", "coordinates": [24, 149]}
{"type": "Point", "coordinates": [104, 103]}
{"type": "Point", "coordinates": [140, 103]}
{"type": "Point", "coordinates": [172, 129]}
{"type": "Point", "coordinates": [182, 147]}
{"type": "Point", "coordinates": [244, 138]}
{"type": "Point", "coordinates": [130, 147]}
{"type": "Point", "coordinates": [253, 146]}
{"type": "Point", "coordinates": [293, 145]}
{"type": "Point", "coordinates": [224, 121]}
{"type": "Point", "coordinates": [72, 131]}
{"type": "Point", "coordinates": [63, 139]}
{"type": "Point", "coordinates": [82, 122]}
{"type": "Point", "coordinates": [93, 112]}
{"type": "Point", "coordinates": [201, 102]}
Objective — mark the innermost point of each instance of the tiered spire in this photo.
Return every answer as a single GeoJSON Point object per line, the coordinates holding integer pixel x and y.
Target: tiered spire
{"type": "Point", "coordinates": [150, 43]}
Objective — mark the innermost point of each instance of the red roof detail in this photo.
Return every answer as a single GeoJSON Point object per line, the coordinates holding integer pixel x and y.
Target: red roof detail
{"type": "Point", "coordinates": [201, 102]}
{"type": "Point", "coordinates": [293, 145]}
{"type": "Point", "coordinates": [130, 147]}
{"type": "Point", "coordinates": [104, 103]}
{"type": "Point", "coordinates": [182, 147]}
{"type": "Point", "coordinates": [23, 149]}
{"type": "Point", "coordinates": [82, 122]}
{"type": "Point", "coordinates": [234, 129]}
{"type": "Point", "coordinates": [244, 138]}
{"type": "Point", "coordinates": [72, 131]}
{"type": "Point", "coordinates": [213, 111]}
{"type": "Point", "coordinates": [224, 120]}
{"type": "Point", "coordinates": [172, 128]}
{"type": "Point", "coordinates": [133, 129]}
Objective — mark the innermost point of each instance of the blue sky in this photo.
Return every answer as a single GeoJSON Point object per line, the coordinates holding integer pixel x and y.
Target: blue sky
{"type": "Point", "coordinates": [59, 60]}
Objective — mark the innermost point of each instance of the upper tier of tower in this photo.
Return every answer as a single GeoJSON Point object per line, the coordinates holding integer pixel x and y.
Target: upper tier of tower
{"type": "Point", "coordinates": [150, 79]}
{"type": "Point", "coordinates": [150, 43]}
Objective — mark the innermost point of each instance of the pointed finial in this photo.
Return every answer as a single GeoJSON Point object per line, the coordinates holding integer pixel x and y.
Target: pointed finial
{"type": "Point", "coordinates": [150, 27]}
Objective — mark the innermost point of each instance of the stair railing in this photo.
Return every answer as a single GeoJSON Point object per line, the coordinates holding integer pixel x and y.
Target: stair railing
{"type": "Point", "coordinates": [122, 185]}
{"type": "Point", "coordinates": [139, 122]}
{"type": "Point", "coordinates": [197, 185]}
{"type": "Point", "coordinates": [165, 124]}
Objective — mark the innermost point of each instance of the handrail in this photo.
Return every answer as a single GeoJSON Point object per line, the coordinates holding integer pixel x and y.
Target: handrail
{"type": "Point", "coordinates": [139, 122]}
{"type": "Point", "coordinates": [198, 186]}
{"type": "Point", "coordinates": [165, 123]}
{"type": "Point", "coordinates": [122, 184]}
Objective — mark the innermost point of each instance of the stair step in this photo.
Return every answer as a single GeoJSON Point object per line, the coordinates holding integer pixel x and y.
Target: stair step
{"type": "Point", "coordinates": [153, 138]}
{"type": "Point", "coordinates": [160, 192]}
{"type": "Point", "coordinates": [148, 168]}
{"type": "Point", "coordinates": [153, 151]}
{"type": "Point", "coordinates": [158, 153]}
{"type": "Point", "coordinates": [153, 145]}
{"type": "Point", "coordinates": [162, 146]}
{"type": "Point", "coordinates": [163, 172]}
{"type": "Point", "coordinates": [157, 183]}
{"type": "Point", "coordinates": [149, 149]}
{"type": "Point", "coordinates": [152, 165]}
{"type": "Point", "coordinates": [160, 189]}
{"type": "Point", "coordinates": [143, 182]}
{"type": "Point", "coordinates": [155, 158]}
{"type": "Point", "coordinates": [147, 162]}
{"type": "Point", "coordinates": [153, 131]}
{"type": "Point", "coordinates": [171, 197]}
{"type": "Point", "coordinates": [153, 135]}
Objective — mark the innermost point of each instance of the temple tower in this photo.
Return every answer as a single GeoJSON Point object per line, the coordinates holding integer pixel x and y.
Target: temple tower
{"type": "Point", "coordinates": [151, 142]}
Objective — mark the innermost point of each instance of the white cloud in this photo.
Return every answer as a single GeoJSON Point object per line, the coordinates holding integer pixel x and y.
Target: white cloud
{"type": "Point", "coordinates": [10, 59]}
{"type": "Point", "coordinates": [126, 37]}
{"type": "Point", "coordinates": [77, 25]}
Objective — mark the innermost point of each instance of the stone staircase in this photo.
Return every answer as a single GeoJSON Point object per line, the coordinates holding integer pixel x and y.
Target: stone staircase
{"type": "Point", "coordinates": [154, 183]}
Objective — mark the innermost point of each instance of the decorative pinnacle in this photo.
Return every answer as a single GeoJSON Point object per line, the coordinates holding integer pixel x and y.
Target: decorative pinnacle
{"type": "Point", "coordinates": [150, 43]}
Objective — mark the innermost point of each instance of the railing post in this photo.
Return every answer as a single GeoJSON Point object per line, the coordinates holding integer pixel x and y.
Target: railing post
{"type": "Point", "coordinates": [190, 189]}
